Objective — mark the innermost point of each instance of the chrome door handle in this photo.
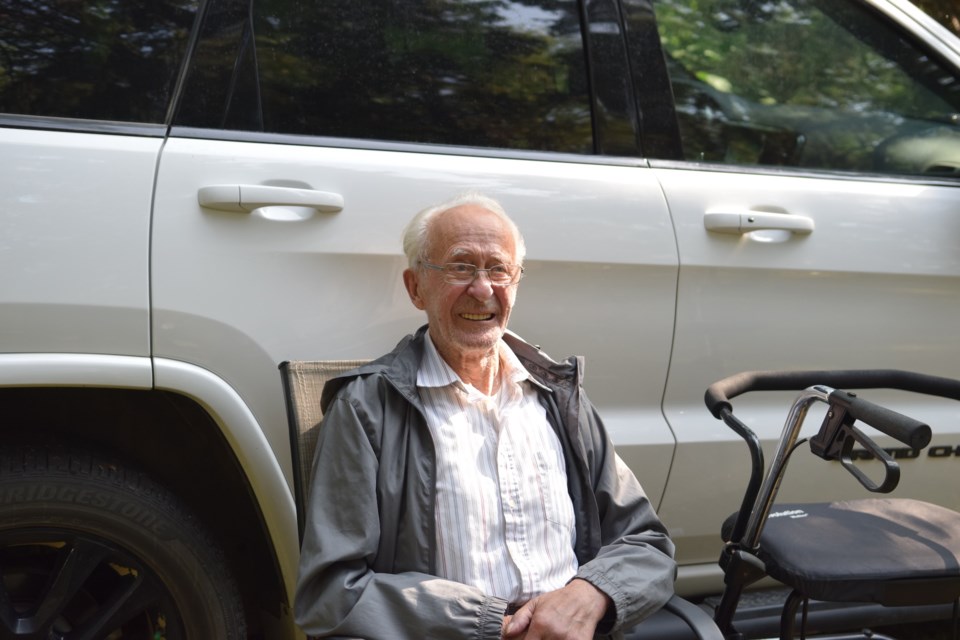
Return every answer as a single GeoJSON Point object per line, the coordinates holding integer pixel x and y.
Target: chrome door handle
{"type": "Point", "coordinates": [244, 198]}
{"type": "Point", "coordinates": [740, 223]}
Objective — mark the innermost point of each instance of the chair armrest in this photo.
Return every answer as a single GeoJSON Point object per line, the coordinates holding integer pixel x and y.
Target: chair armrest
{"type": "Point", "coordinates": [679, 619]}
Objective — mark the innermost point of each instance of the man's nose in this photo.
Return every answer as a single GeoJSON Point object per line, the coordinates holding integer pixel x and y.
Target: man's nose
{"type": "Point", "coordinates": [481, 288]}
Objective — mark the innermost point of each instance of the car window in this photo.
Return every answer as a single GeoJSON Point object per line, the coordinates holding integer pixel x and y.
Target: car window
{"type": "Point", "coordinates": [507, 74]}
{"type": "Point", "coordinates": [816, 84]}
{"type": "Point", "coordinates": [109, 60]}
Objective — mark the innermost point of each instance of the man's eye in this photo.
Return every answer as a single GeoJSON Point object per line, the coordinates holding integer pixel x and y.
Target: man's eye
{"type": "Point", "coordinates": [500, 269]}
{"type": "Point", "coordinates": [460, 269]}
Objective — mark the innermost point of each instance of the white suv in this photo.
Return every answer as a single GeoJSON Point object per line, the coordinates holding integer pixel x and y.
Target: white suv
{"type": "Point", "coordinates": [195, 191]}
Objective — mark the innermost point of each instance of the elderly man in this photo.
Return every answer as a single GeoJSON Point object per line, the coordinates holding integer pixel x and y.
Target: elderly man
{"type": "Point", "coordinates": [464, 486]}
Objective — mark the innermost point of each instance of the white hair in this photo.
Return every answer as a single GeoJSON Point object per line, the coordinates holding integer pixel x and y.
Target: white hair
{"type": "Point", "coordinates": [416, 232]}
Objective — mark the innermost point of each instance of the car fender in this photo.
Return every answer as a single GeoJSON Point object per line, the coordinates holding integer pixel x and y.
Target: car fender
{"type": "Point", "coordinates": [245, 437]}
{"type": "Point", "coordinates": [75, 370]}
{"type": "Point", "coordinates": [224, 405]}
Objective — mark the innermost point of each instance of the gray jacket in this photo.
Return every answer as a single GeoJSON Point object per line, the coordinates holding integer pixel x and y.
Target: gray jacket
{"type": "Point", "coordinates": [367, 567]}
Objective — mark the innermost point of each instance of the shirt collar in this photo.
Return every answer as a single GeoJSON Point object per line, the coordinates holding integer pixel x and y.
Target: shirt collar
{"type": "Point", "coordinates": [435, 372]}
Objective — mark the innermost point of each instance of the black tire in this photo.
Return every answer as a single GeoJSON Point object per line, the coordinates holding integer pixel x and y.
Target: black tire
{"type": "Point", "coordinates": [91, 550]}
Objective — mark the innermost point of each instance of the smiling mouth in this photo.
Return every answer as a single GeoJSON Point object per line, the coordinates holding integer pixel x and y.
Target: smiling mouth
{"type": "Point", "coordinates": [477, 317]}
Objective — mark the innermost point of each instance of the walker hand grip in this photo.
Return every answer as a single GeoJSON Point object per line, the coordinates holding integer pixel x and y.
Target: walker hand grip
{"type": "Point", "coordinates": [907, 430]}
{"type": "Point", "coordinates": [720, 393]}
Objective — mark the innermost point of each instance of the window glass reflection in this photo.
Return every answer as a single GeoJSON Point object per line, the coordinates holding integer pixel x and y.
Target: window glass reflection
{"type": "Point", "coordinates": [807, 83]}
{"type": "Point", "coordinates": [487, 73]}
{"type": "Point", "coordinates": [102, 60]}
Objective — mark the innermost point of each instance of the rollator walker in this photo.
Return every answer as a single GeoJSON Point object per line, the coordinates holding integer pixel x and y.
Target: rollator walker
{"type": "Point", "coordinates": [894, 552]}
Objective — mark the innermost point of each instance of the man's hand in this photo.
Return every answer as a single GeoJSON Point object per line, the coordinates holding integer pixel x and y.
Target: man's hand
{"type": "Point", "coordinates": [570, 613]}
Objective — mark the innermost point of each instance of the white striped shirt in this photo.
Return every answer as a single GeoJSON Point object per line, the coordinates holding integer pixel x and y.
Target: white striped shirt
{"type": "Point", "coordinates": [505, 520]}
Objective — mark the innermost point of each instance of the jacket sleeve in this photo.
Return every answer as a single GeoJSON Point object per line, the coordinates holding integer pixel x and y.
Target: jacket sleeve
{"type": "Point", "coordinates": [338, 592]}
{"type": "Point", "coordinates": [635, 565]}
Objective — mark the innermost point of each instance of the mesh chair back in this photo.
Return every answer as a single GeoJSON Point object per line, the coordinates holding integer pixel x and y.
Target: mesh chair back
{"type": "Point", "coordinates": [303, 382]}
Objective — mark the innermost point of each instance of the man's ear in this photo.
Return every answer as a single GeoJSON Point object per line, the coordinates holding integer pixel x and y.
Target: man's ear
{"type": "Point", "coordinates": [412, 283]}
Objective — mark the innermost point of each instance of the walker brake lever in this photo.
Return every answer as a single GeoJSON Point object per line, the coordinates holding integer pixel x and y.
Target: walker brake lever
{"type": "Point", "coordinates": [835, 441]}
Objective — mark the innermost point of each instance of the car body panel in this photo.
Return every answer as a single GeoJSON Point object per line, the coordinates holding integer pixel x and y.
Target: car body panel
{"type": "Point", "coordinates": [75, 370]}
{"type": "Point", "coordinates": [69, 200]}
{"type": "Point", "coordinates": [237, 293]}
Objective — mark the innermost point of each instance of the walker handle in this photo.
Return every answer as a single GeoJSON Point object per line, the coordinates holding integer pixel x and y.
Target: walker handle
{"type": "Point", "coordinates": [907, 430]}
{"type": "Point", "coordinates": [719, 394]}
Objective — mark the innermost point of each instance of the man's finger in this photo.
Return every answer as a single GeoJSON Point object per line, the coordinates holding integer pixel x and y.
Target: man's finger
{"type": "Point", "coordinates": [519, 622]}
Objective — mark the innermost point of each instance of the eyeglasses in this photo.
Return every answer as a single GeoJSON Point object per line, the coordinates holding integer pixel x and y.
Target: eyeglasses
{"type": "Point", "coordinates": [500, 275]}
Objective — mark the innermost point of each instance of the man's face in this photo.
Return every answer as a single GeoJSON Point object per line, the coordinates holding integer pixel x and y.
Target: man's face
{"type": "Point", "coordinates": [465, 320]}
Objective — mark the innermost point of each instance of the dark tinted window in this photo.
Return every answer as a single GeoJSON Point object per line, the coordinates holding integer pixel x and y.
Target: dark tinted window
{"type": "Point", "coordinates": [821, 84]}
{"type": "Point", "coordinates": [102, 60]}
{"type": "Point", "coordinates": [494, 73]}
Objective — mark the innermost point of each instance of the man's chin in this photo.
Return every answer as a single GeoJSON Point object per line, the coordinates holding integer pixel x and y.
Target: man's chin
{"type": "Point", "coordinates": [480, 340]}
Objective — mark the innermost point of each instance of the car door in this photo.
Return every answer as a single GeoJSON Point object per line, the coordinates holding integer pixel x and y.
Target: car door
{"type": "Point", "coordinates": [310, 133]}
{"type": "Point", "coordinates": [84, 95]}
{"type": "Point", "coordinates": [817, 208]}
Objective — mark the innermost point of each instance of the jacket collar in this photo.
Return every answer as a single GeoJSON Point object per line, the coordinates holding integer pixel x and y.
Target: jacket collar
{"type": "Point", "coordinates": [400, 367]}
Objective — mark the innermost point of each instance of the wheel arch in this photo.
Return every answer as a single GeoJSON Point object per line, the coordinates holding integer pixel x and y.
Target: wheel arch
{"type": "Point", "coordinates": [187, 429]}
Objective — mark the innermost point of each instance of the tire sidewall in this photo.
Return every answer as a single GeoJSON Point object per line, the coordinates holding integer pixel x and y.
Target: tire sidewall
{"type": "Point", "coordinates": [130, 513]}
